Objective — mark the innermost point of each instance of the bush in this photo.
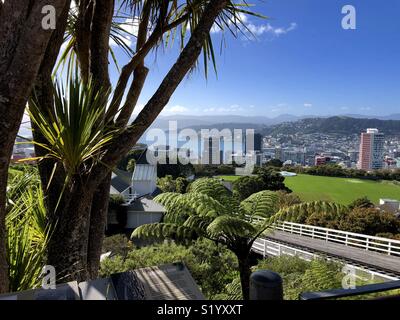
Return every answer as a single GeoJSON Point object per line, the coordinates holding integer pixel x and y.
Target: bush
{"type": "Point", "coordinates": [301, 276]}
{"type": "Point", "coordinates": [370, 221]}
{"type": "Point", "coordinates": [118, 244]}
{"type": "Point", "coordinates": [212, 266]}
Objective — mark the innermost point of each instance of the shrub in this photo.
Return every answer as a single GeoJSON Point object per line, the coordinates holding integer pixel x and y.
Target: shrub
{"type": "Point", "coordinates": [118, 244]}
{"type": "Point", "coordinates": [212, 266]}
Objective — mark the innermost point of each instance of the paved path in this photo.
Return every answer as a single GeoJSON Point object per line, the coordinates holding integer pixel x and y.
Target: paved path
{"type": "Point", "coordinates": [369, 258]}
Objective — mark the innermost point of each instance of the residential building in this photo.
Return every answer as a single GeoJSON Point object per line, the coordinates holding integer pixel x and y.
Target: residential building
{"type": "Point", "coordinates": [371, 150]}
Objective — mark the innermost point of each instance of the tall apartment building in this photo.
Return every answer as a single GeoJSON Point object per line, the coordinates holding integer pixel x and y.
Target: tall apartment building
{"type": "Point", "coordinates": [371, 150]}
{"type": "Point", "coordinates": [212, 153]}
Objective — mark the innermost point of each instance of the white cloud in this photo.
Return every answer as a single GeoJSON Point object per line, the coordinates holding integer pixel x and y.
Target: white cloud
{"type": "Point", "coordinates": [307, 105]}
{"type": "Point", "coordinates": [172, 110]}
{"type": "Point", "coordinates": [258, 30]}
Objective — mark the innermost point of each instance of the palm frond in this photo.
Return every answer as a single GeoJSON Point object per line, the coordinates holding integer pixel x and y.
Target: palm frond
{"type": "Point", "coordinates": [164, 230]}
{"type": "Point", "coordinates": [262, 204]}
{"type": "Point", "coordinates": [231, 227]}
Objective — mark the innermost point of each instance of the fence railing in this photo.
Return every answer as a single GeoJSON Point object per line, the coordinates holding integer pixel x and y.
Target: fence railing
{"type": "Point", "coordinates": [370, 243]}
{"type": "Point", "coordinates": [268, 248]}
{"type": "Point", "coordinates": [362, 290]}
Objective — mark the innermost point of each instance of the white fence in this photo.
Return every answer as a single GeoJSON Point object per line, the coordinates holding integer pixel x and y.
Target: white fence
{"type": "Point", "coordinates": [362, 241]}
{"type": "Point", "coordinates": [267, 248]}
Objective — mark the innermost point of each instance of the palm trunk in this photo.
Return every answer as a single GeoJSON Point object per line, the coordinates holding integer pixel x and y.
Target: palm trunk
{"type": "Point", "coordinates": [245, 271]}
{"type": "Point", "coordinates": [98, 220]}
{"type": "Point", "coordinates": [68, 246]}
{"type": "Point", "coordinates": [4, 162]}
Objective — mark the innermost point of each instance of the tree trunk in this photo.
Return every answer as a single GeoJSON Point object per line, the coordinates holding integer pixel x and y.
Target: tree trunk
{"type": "Point", "coordinates": [68, 247]}
{"type": "Point", "coordinates": [245, 272]}
{"type": "Point", "coordinates": [74, 253]}
{"type": "Point", "coordinates": [4, 162]}
{"type": "Point", "coordinates": [98, 220]}
{"type": "Point", "coordinates": [23, 42]}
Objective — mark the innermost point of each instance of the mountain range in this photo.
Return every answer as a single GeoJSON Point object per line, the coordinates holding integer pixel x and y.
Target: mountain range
{"type": "Point", "coordinates": [256, 122]}
{"type": "Point", "coordinates": [339, 124]}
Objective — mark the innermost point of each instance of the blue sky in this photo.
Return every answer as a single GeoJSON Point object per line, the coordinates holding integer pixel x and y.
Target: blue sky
{"type": "Point", "coordinates": [302, 62]}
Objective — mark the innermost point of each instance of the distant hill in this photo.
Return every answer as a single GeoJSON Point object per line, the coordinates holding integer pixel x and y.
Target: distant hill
{"type": "Point", "coordinates": [337, 124]}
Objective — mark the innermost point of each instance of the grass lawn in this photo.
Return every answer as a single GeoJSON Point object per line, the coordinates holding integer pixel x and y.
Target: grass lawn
{"type": "Point", "coordinates": [340, 190]}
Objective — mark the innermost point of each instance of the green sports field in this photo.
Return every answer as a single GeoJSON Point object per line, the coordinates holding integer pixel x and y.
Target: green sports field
{"type": "Point", "coordinates": [341, 190]}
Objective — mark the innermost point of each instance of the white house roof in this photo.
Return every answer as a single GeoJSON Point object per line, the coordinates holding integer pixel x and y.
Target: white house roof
{"type": "Point", "coordinates": [145, 172]}
{"type": "Point", "coordinates": [146, 204]}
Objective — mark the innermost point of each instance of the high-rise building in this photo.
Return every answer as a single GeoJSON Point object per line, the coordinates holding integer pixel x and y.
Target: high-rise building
{"type": "Point", "coordinates": [211, 151]}
{"type": "Point", "coordinates": [257, 143]}
{"type": "Point", "coordinates": [371, 150]}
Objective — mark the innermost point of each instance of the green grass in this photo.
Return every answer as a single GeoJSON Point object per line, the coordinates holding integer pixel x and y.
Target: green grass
{"type": "Point", "coordinates": [341, 190]}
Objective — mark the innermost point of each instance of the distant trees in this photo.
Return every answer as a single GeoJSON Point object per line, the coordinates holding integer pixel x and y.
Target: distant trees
{"type": "Point", "coordinates": [333, 170]}
{"type": "Point", "coordinates": [247, 185]}
{"type": "Point", "coordinates": [174, 169]}
{"type": "Point", "coordinates": [271, 178]}
{"type": "Point", "coordinates": [169, 184]}
{"type": "Point", "coordinates": [274, 163]}
{"type": "Point", "coordinates": [370, 221]}
{"type": "Point", "coordinates": [287, 199]}
{"type": "Point", "coordinates": [363, 219]}
{"type": "Point", "coordinates": [361, 203]}
{"type": "Point", "coordinates": [213, 170]}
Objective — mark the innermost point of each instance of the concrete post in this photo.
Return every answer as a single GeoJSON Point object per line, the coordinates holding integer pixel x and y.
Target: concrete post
{"type": "Point", "coordinates": [266, 285]}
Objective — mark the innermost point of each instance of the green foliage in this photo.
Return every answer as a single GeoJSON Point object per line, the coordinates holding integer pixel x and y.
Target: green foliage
{"type": "Point", "coordinates": [211, 265]}
{"type": "Point", "coordinates": [202, 170]}
{"type": "Point", "coordinates": [212, 188]}
{"type": "Point", "coordinates": [181, 184]}
{"type": "Point", "coordinates": [333, 170]}
{"type": "Point", "coordinates": [331, 215]}
{"type": "Point", "coordinates": [263, 204]}
{"type": "Point", "coordinates": [370, 221]}
{"type": "Point", "coordinates": [287, 199]}
{"type": "Point", "coordinates": [299, 213]}
{"type": "Point", "coordinates": [130, 167]}
{"type": "Point", "coordinates": [78, 132]}
{"type": "Point", "coordinates": [231, 227]}
{"type": "Point", "coordinates": [266, 178]}
{"type": "Point", "coordinates": [274, 163]}
{"type": "Point", "coordinates": [272, 179]}
{"type": "Point", "coordinates": [247, 185]}
{"type": "Point", "coordinates": [115, 200]}
{"type": "Point", "coordinates": [301, 276]}
{"type": "Point", "coordinates": [168, 184]}
{"type": "Point", "coordinates": [74, 128]}
{"type": "Point", "coordinates": [209, 211]}
{"type": "Point", "coordinates": [175, 170]}
{"type": "Point", "coordinates": [27, 228]}
{"type": "Point", "coordinates": [363, 202]}
{"type": "Point", "coordinates": [131, 155]}
{"type": "Point", "coordinates": [118, 244]}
